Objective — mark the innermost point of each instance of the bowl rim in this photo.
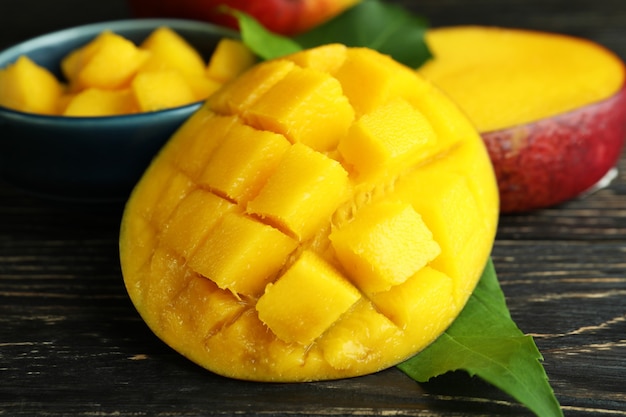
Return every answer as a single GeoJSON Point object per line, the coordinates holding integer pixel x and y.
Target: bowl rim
{"type": "Point", "coordinates": [12, 53]}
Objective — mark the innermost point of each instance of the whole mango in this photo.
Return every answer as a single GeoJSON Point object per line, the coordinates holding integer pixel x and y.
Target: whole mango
{"type": "Point", "coordinates": [324, 215]}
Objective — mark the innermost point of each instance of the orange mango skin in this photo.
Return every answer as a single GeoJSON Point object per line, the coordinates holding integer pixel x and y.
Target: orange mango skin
{"type": "Point", "coordinates": [248, 281]}
{"type": "Point", "coordinates": [550, 108]}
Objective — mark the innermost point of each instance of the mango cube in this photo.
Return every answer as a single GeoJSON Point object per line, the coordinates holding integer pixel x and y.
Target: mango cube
{"type": "Point", "coordinates": [370, 80]}
{"type": "Point", "coordinates": [389, 138]}
{"type": "Point", "coordinates": [204, 305]}
{"type": "Point", "coordinates": [439, 198]}
{"type": "Point", "coordinates": [192, 219]}
{"type": "Point", "coordinates": [409, 304]}
{"type": "Point", "coordinates": [230, 58]}
{"type": "Point", "coordinates": [111, 63]}
{"type": "Point", "coordinates": [306, 106]}
{"type": "Point", "coordinates": [257, 154]}
{"type": "Point", "coordinates": [301, 172]}
{"type": "Point", "coordinates": [328, 58]}
{"type": "Point", "coordinates": [384, 245]}
{"type": "Point", "coordinates": [28, 87]}
{"type": "Point", "coordinates": [306, 300]}
{"type": "Point", "coordinates": [355, 337]}
{"type": "Point", "coordinates": [170, 51]}
{"type": "Point", "coordinates": [241, 254]}
{"type": "Point", "coordinates": [199, 138]}
{"type": "Point", "coordinates": [160, 90]}
{"type": "Point", "coordinates": [96, 102]}
{"type": "Point", "coordinates": [235, 98]}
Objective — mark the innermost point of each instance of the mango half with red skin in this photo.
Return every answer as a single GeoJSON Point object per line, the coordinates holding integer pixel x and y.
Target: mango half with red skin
{"type": "Point", "coordinates": [551, 108]}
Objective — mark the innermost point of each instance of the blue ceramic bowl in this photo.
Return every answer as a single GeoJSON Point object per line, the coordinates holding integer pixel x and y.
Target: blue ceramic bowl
{"type": "Point", "coordinates": [90, 158]}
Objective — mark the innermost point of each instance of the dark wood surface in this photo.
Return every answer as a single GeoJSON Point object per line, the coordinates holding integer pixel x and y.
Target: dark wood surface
{"type": "Point", "coordinates": [72, 344]}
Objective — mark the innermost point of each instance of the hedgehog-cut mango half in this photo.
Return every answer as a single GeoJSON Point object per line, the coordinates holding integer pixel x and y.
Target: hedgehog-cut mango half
{"type": "Point", "coordinates": [325, 215]}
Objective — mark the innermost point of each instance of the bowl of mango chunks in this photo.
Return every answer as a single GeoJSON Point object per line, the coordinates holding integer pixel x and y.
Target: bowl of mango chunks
{"type": "Point", "coordinates": [84, 110]}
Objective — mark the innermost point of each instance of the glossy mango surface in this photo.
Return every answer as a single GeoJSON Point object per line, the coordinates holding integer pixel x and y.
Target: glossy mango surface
{"type": "Point", "coordinates": [324, 215]}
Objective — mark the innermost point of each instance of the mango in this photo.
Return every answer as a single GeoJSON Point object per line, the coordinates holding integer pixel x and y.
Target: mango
{"type": "Point", "coordinates": [109, 62]}
{"type": "Point", "coordinates": [230, 58]}
{"type": "Point", "coordinates": [27, 87]}
{"type": "Point", "coordinates": [94, 102]}
{"type": "Point", "coordinates": [168, 50]}
{"type": "Point", "coordinates": [299, 228]}
{"type": "Point", "coordinates": [158, 90]}
{"type": "Point", "coordinates": [111, 76]}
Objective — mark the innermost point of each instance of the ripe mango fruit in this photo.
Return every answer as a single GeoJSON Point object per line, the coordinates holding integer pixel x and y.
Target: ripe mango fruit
{"type": "Point", "coordinates": [324, 215]}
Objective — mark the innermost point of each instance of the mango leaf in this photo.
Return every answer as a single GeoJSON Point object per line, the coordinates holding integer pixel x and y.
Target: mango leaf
{"type": "Point", "coordinates": [485, 341]}
{"type": "Point", "coordinates": [387, 28]}
{"type": "Point", "coordinates": [263, 43]}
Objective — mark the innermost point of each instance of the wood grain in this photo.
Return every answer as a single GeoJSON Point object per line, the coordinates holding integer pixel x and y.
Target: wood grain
{"type": "Point", "coordinates": [71, 343]}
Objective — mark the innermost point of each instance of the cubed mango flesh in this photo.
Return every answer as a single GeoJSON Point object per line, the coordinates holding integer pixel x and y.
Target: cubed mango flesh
{"type": "Point", "coordinates": [94, 102]}
{"type": "Point", "coordinates": [230, 58]}
{"type": "Point", "coordinates": [168, 50]}
{"type": "Point", "coordinates": [164, 71]}
{"type": "Point", "coordinates": [110, 63]}
{"type": "Point", "coordinates": [340, 230]}
{"type": "Point", "coordinates": [27, 87]}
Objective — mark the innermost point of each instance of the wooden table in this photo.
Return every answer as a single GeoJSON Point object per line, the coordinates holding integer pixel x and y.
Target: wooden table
{"type": "Point", "coordinates": [71, 343]}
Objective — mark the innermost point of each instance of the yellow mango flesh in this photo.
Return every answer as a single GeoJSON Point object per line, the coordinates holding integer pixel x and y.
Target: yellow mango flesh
{"type": "Point", "coordinates": [263, 246]}
{"type": "Point", "coordinates": [168, 50]}
{"type": "Point", "coordinates": [158, 90]}
{"type": "Point", "coordinates": [93, 102]}
{"type": "Point", "coordinates": [505, 77]}
{"type": "Point", "coordinates": [230, 58]}
{"type": "Point", "coordinates": [27, 87]}
{"type": "Point", "coordinates": [110, 64]}
{"type": "Point", "coordinates": [111, 76]}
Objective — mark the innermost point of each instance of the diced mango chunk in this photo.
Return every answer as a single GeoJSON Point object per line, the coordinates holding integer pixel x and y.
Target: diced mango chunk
{"type": "Point", "coordinates": [301, 172]}
{"type": "Point", "coordinates": [199, 138]}
{"type": "Point", "coordinates": [192, 219]}
{"type": "Point", "coordinates": [202, 303]}
{"type": "Point", "coordinates": [356, 337]}
{"type": "Point", "coordinates": [306, 300]}
{"type": "Point", "coordinates": [384, 245]}
{"type": "Point", "coordinates": [160, 90]}
{"type": "Point", "coordinates": [243, 161]}
{"type": "Point", "coordinates": [112, 64]}
{"type": "Point", "coordinates": [328, 58]}
{"type": "Point", "coordinates": [241, 254]}
{"type": "Point", "coordinates": [27, 87]}
{"type": "Point", "coordinates": [95, 102]}
{"type": "Point", "coordinates": [410, 304]}
{"type": "Point", "coordinates": [230, 58]}
{"type": "Point", "coordinates": [235, 98]}
{"type": "Point", "coordinates": [391, 137]}
{"type": "Point", "coordinates": [73, 63]}
{"type": "Point", "coordinates": [369, 79]}
{"type": "Point", "coordinates": [168, 50]}
{"type": "Point", "coordinates": [164, 71]}
{"type": "Point", "coordinates": [306, 106]}
{"type": "Point", "coordinates": [449, 208]}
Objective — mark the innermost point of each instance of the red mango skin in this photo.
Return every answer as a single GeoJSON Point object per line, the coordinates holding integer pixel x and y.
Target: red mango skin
{"type": "Point", "coordinates": [550, 161]}
{"type": "Point", "coordinates": [287, 17]}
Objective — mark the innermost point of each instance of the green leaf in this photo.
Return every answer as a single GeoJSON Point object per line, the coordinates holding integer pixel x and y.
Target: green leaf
{"type": "Point", "coordinates": [485, 341]}
{"type": "Point", "coordinates": [265, 44]}
{"type": "Point", "coordinates": [387, 28]}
